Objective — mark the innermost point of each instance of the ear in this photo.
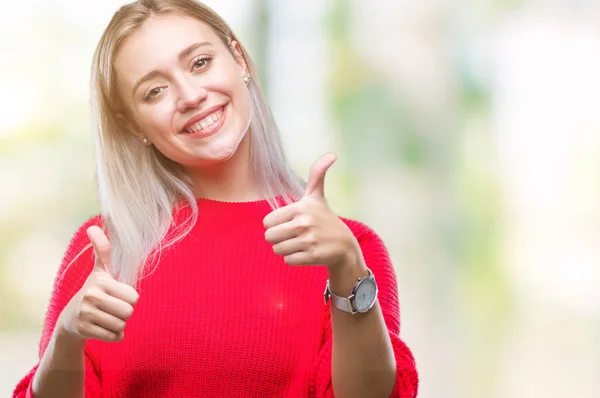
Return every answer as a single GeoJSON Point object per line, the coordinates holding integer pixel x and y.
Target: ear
{"type": "Point", "coordinates": [239, 57]}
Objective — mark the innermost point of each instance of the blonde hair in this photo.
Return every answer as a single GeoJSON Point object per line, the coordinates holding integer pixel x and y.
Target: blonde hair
{"type": "Point", "coordinates": [138, 187]}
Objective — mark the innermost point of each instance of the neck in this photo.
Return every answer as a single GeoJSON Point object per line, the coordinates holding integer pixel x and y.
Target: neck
{"type": "Point", "coordinates": [232, 180]}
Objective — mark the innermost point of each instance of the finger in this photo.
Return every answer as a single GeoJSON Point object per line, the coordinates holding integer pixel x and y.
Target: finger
{"type": "Point", "coordinates": [315, 186]}
{"type": "Point", "coordinates": [121, 291]}
{"type": "Point", "coordinates": [298, 258]}
{"type": "Point", "coordinates": [92, 331]}
{"type": "Point", "coordinates": [281, 215]}
{"type": "Point", "coordinates": [101, 247]}
{"type": "Point", "coordinates": [109, 322]}
{"type": "Point", "coordinates": [289, 247]}
{"type": "Point", "coordinates": [281, 232]}
{"type": "Point", "coordinates": [114, 306]}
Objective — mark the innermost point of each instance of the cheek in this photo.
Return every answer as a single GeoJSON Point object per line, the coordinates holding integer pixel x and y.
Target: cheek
{"type": "Point", "coordinates": [155, 121]}
{"type": "Point", "coordinates": [233, 86]}
{"type": "Point", "coordinates": [241, 99]}
{"type": "Point", "coordinates": [229, 81]}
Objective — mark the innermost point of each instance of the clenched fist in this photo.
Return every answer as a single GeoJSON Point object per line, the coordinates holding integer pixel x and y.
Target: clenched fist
{"type": "Point", "coordinates": [103, 305]}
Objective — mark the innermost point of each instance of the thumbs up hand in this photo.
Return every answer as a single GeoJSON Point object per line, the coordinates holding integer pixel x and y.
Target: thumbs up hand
{"type": "Point", "coordinates": [308, 232]}
{"type": "Point", "coordinates": [102, 306]}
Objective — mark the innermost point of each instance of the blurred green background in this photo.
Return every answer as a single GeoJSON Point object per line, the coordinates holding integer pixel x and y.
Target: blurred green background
{"type": "Point", "coordinates": [467, 135]}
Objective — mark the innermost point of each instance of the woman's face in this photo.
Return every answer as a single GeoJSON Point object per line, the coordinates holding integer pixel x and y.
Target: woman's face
{"type": "Point", "coordinates": [184, 90]}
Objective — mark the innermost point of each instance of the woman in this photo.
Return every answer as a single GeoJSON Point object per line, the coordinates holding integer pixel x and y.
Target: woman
{"type": "Point", "coordinates": [204, 217]}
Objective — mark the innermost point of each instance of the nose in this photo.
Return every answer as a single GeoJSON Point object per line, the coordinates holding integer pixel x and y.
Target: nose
{"type": "Point", "coordinates": [190, 95]}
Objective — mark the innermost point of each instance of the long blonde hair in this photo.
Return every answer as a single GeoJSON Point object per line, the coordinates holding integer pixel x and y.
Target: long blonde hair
{"type": "Point", "coordinates": [138, 187]}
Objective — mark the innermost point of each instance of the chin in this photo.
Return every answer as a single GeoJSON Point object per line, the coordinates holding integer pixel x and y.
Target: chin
{"type": "Point", "coordinates": [221, 156]}
{"type": "Point", "coordinates": [221, 150]}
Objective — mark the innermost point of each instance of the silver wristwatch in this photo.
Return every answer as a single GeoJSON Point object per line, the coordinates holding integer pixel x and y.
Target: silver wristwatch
{"type": "Point", "coordinates": [361, 299]}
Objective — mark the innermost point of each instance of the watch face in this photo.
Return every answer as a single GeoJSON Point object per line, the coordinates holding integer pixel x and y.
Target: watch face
{"type": "Point", "coordinates": [365, 295]}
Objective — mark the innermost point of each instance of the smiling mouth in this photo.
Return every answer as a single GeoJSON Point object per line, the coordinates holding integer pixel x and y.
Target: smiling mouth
{"type": "Point", "coordinates": [206, 123]}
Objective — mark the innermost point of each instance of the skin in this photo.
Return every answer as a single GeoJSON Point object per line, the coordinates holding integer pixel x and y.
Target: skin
{"type": "Point", "coordinates": [159, 107]}
{"type": "Point", "coordinates": [304, 233]}
{"type": "Point", "coordinates": [309, 233]}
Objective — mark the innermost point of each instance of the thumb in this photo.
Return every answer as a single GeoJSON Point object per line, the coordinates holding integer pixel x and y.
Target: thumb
{"type": "Point", "coordinates": [315, 185]}
{"type": "Point", "coordinates": [101, 248]}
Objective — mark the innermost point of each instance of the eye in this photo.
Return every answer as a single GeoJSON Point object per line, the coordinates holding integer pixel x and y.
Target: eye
{"type": "Point", "coordinates": [153, 93]}
{"type": "Point", "coordinates": [201, 62]}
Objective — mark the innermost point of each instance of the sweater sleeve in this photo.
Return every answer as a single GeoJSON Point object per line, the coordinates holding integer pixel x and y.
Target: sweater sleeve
{"type": "Point", "coordinates": [76, 265]}
{"type": "Point", "coordinates": [377, 259]}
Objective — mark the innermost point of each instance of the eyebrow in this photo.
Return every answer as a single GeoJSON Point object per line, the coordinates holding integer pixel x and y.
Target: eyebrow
{"type": "Point", "coordinates": [182, 55]}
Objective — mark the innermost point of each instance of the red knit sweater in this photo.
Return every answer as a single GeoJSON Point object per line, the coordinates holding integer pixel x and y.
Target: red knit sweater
{"type": "Point", "coordinates": [223, 316]}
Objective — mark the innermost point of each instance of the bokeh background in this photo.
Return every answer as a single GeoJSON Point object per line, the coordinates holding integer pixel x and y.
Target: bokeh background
{"type": "Point", "coordinates": [468, 138]}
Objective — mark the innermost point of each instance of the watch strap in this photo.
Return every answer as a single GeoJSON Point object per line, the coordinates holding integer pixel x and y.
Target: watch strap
{"type": "Point", "coordinates": [345, 303]}
{"type": "Point", "coordinates": [342, 303]}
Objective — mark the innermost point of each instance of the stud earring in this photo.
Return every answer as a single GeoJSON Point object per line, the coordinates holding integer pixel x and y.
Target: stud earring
{"type": "Point", "coordinates": [246, 79]}
{"type": "Point", "coordinates": [145, 140]}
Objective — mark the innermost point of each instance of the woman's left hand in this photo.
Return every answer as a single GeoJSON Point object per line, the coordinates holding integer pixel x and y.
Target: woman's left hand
{"type": "Point", "coordinates": [308, 232]}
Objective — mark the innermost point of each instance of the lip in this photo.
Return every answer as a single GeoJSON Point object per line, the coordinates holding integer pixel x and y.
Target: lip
{"type": "Point", "coordinates": [201, 116]}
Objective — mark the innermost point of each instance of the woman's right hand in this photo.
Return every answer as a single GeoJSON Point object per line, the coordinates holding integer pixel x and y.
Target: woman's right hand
{"type": "Point", "coordinates": [103, 305]}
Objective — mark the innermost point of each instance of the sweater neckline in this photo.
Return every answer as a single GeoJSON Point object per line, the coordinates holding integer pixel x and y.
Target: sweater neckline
{"type": "Point", "coordinates": [251, 209]}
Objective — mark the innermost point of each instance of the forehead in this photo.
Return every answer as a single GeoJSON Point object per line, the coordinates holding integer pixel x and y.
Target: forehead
{"type": "Point", "coordinates": [157, 44]}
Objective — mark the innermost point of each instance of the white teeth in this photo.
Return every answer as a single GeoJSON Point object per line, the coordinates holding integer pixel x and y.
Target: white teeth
{"type": "Point", "coordinates": [207, 121]}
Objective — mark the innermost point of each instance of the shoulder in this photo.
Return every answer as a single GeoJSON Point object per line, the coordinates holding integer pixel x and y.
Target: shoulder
{"type": "Point", "coordinates": [78, 257]}
{"type": "Point", "coordinates": [375, 253]}
{"type": "Point", "coordinates": [79, 238]}
{"type": "Point", "coordinates": [81, 229]}
{"type": "Point", "coordinates": [362, 232]}
{"type": "Point", "coordinates": [372, 246]}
